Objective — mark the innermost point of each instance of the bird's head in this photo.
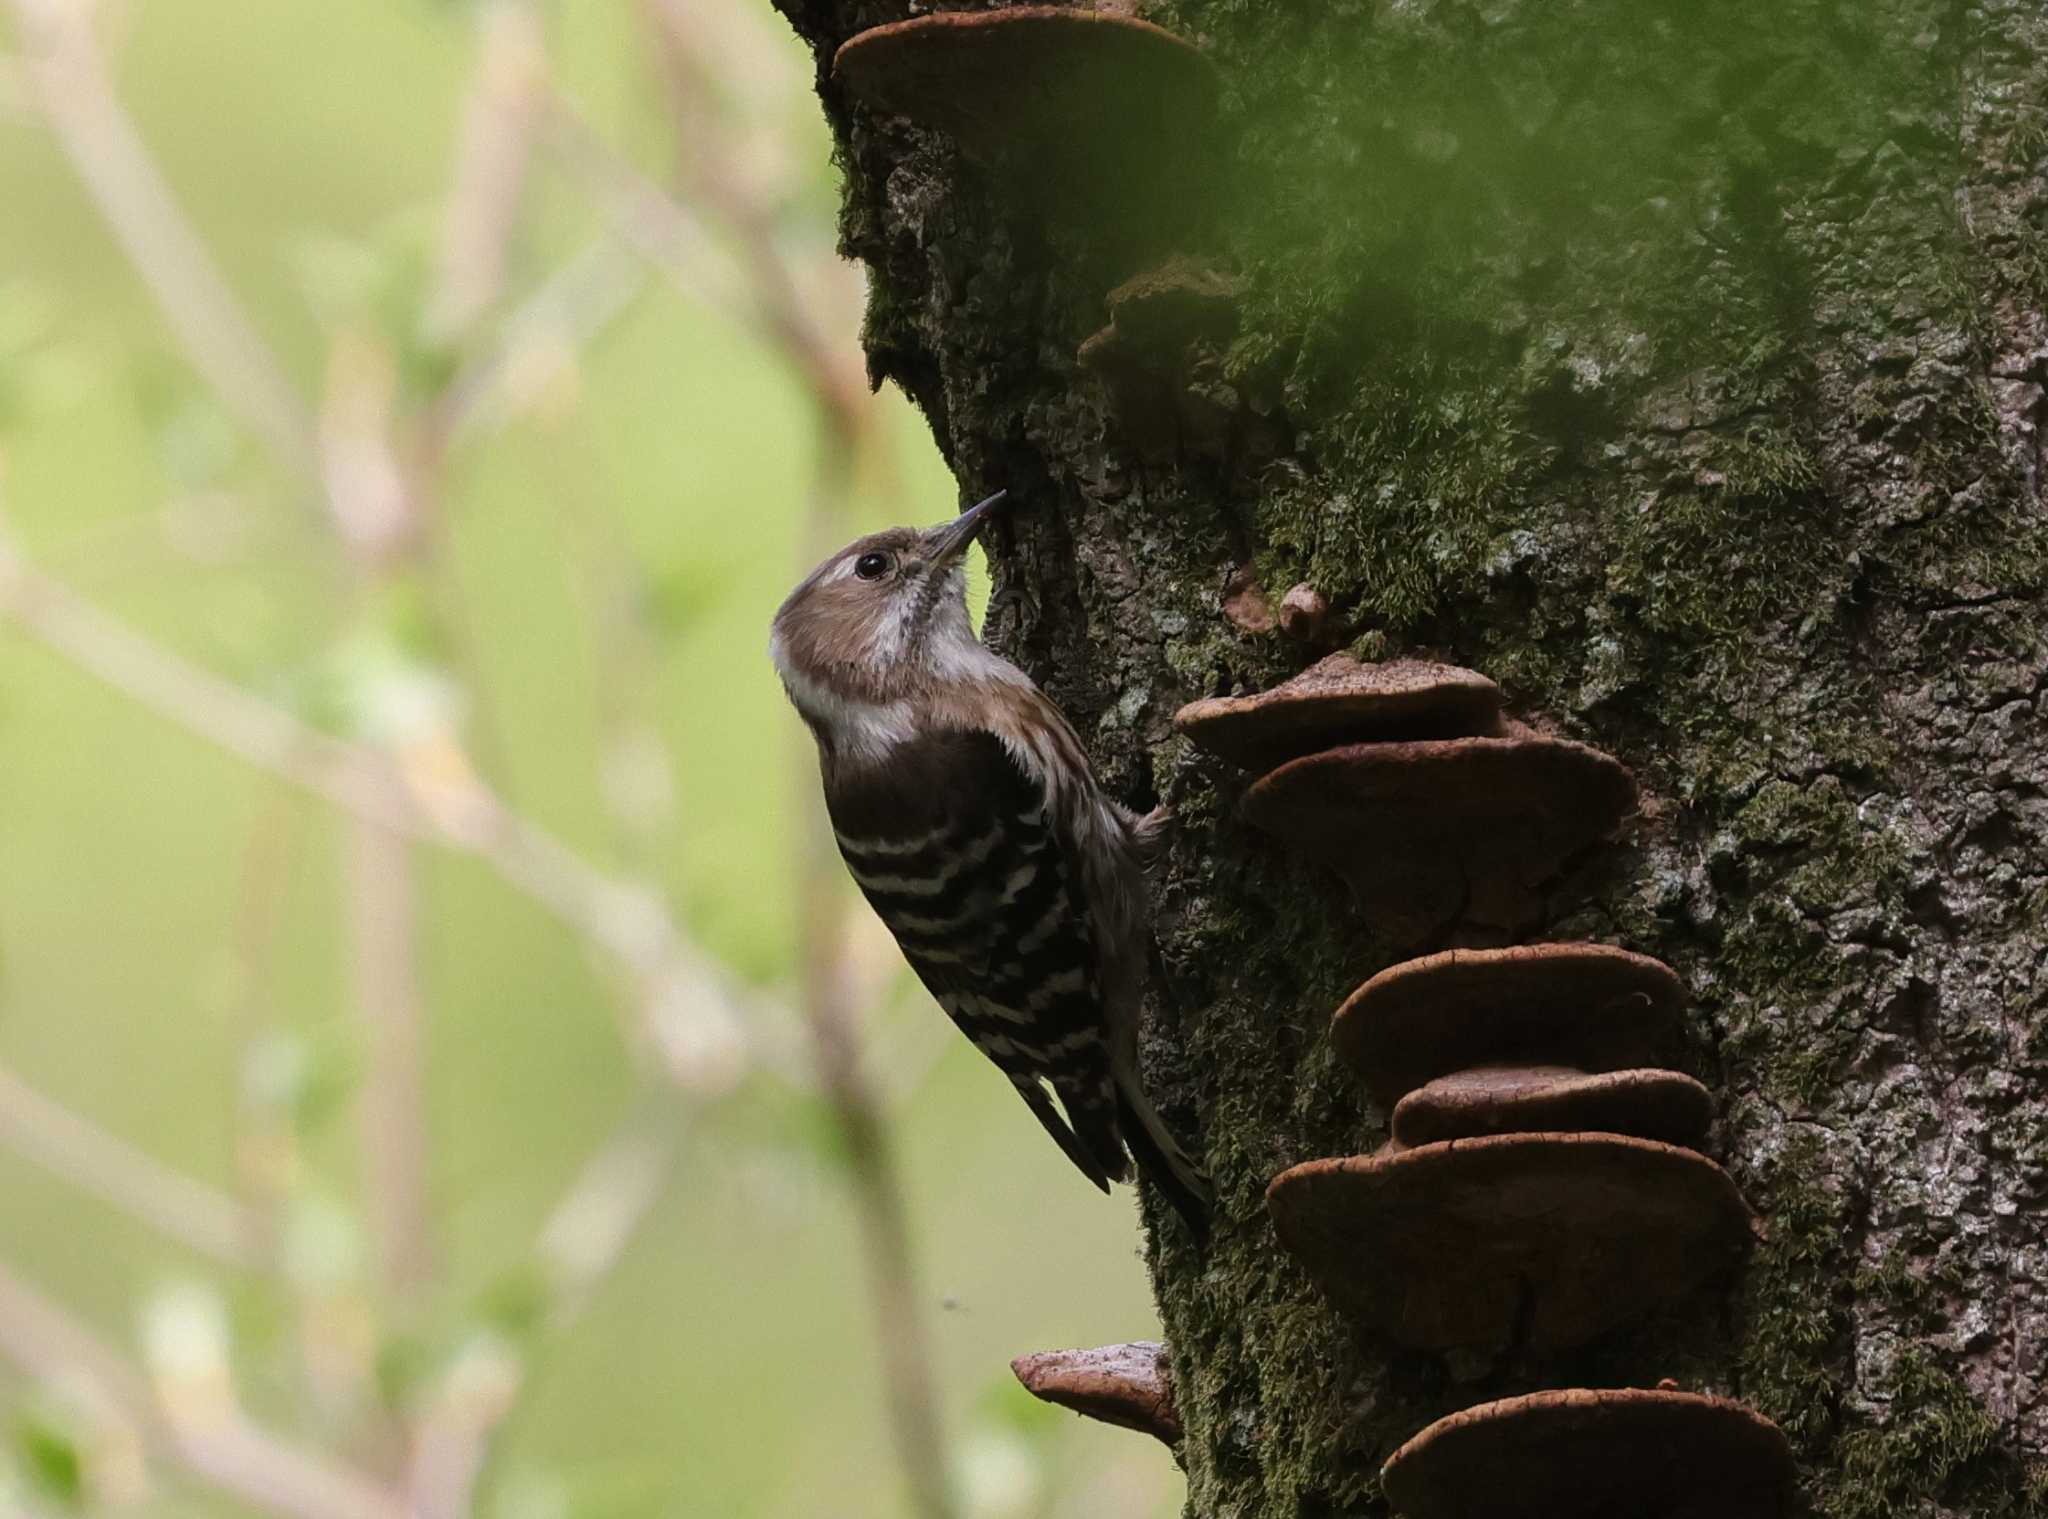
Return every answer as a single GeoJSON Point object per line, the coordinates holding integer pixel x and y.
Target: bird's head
{"type": "Point", "coordinates": [881, 621]}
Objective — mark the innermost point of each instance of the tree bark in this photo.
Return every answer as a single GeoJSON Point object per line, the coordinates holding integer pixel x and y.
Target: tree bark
{"type": "Point", "coordinates": [1682, 368]}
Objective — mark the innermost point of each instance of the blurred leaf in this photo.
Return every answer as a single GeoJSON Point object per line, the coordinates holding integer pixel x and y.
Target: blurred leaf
{"type": "Point", "coordinates": [198, 443]}
{"type": "Point", "coordinates": [1001, 1475]}
{"type": "Point", "coordinates": [402, 610]}
{"type": "Point", "coordinates": [405, 1362]}
{"type": "Point", "coordinates": [517, 1303]}
{"type": "Point", "coordinates": [622, 1490]}
{"type": "Point", "coordinates": [39, 371]}
{"type": "Point", "coordinates": [162, 387]}
{"type": "Point", "coordinates": [51, 1458]}
{"type": "Point", "coordinates": [339, 278]}
{"type": "Point", "coordinates": [480, 1383]}
{"type": "Point", "coordinates": [476, 1381]}
{"type": "Point", "coordinates": [532, 1495]}
{"type": "Point", "coordinates": [382, 281]}
{"type": "Point", "coordinates": [185, 1340]}
{"type": "Point", "coordinates": [370, 687]}
{"type": "Point", "coordinates": [304, 1079]}
{"type": "Point", "coordinates": [322, 1247]}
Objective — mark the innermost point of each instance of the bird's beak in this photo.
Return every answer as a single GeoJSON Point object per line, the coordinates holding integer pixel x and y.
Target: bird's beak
{"type": "Point", "coordinates": [944, 544]}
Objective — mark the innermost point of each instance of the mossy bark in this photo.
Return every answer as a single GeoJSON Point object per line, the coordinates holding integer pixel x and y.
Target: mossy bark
{"type": "Point", "coordinates": [1682, 367]}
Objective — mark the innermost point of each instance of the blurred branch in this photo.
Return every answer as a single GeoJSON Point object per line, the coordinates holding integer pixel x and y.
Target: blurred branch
{"type": "Point", "coordinates": [494, 147]}
{"type": "Point", "coordinates": [878, 1195]}
{"type": "Point", "coordinates": [661, 229]}
{"type": "Point", "coordinates": [480, 218]}
{"type": "Point", "coordinates": [266, 1141]}
{"type": "Point", "coordinates": [678, 983]}
{"type": "Point", "coordinates": [910, 1055]}
{"type": "Point", "coordinates": [666, 232]}
{"type": "Point", "coordinates": [218, 1445]}
{"type": "Point", "coordinates": [638, 766]}
{"type": "Point", "coordinates": [501, 124]}
{"type": "Point", "coordinates": [586, 1235]}
{"type": "Point", "coordinates": [833, 371]}
{"type": "Point", "coordinates": [356, 781]}
{"type": "Point", "coordinates": [381, 886]}
{"type": "Point", "coordinates": [570, 308]}
{"type": "Point", "coordinates": [95, 1161]}
{"type": "Point", "coordinates": [395, 520]}
{"type": "Point", "coordinates": [590, 1227]}
{"type": "Point", "coordinates": [63, 64]}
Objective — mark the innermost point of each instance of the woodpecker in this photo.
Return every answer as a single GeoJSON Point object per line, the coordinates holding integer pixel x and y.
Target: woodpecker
{"type": "Point", "coordinates": [966, 811]}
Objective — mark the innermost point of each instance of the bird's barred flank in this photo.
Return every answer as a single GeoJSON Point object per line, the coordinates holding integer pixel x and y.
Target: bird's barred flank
{"type": "Point", "coordinates": [968, 816]}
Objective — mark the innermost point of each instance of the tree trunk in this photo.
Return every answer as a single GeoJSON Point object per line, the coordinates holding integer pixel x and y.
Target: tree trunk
{"type": "Point", "coordinates": [1680, 366]}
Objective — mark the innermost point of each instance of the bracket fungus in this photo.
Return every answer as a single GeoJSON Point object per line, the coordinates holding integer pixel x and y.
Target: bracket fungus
{"type": "Point", "coordinates": [1157, 316]}
{"type": "Point", "coordinates": [1610, 1453]}
{"type": "Point", "coordinates": [1125, 1385]}
{"type": "Point", "coordinates": [1521, 1099]}
{"type": "Point", "coordinates": [1069, 102]}
{"type": "Point", "coordinates": [1537, 1241]}
{"type": "Point", "coordinates": [1589, 1006]}
{"type": "Point", "coordinates": [1338, 702]}
{"type": "Point", "coordinates": [1160, 365]}
{"type": "Point", "coordinates": [1436, 832]}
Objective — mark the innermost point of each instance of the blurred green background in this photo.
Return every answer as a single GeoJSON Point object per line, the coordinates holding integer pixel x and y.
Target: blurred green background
{"type": "Point", "coordinates": [569, 620]}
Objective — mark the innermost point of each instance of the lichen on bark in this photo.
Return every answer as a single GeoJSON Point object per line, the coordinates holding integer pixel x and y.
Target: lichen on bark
{"type": "Point", "coordinates": [1682, 367]}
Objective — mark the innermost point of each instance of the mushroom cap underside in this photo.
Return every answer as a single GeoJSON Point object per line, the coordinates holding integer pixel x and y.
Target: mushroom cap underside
{"type": "Point", "coordinates": [1609, 1453]}
{"type": "Point", "coordinates": [1645, 1103]}
{"type": "Point", "coordinates": [1034, 84]}
{"type": "Point", "coordinates": [1338, 702]}
{"type": "Point", "coordinates": [1434, 832]}
{"type": "Point", "coordinates": [1540, 1240]}
{"type": "Point", "coordinates": [1591, 1006]}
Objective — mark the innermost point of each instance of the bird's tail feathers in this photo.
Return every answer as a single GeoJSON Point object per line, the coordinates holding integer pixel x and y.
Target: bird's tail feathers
{"type": "Point", "coordinates": [1084, 1156]}
{"type": "Point", "coordinates": [1161, 1159]}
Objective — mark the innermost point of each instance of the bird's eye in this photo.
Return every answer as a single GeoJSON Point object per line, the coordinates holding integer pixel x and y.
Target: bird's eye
{"type": "Point", "coordinates": [871, 566]}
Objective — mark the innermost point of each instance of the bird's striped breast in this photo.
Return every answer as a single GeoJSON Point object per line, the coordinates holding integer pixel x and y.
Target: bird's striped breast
{"type": "Point", "coordinates": [967, 870]}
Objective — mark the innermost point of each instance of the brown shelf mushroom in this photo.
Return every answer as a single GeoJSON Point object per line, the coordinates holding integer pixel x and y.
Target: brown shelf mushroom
{"type": "Point", "coordinates": [1589, 1006]}
{"type": "Point", "coordinates": [1535, 1240]}
{"type": "Point", "coordinates": [1070, 100]}
{"type": "Point", "coordinates": [1519, 1099]}
{"type": "Point", "coordinates": [1587, 1454]}
{"type": "Point", "coordinates": [1158, 362]}
{"type": "Point", "coordinates": [1339, 701]}
{"type": "Point", "coordinates": [1125, 1385]}
{"type": "Point", "coordinates": [1156, 316]}
{"type": "Point", "coordinates": [1438, 832]}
